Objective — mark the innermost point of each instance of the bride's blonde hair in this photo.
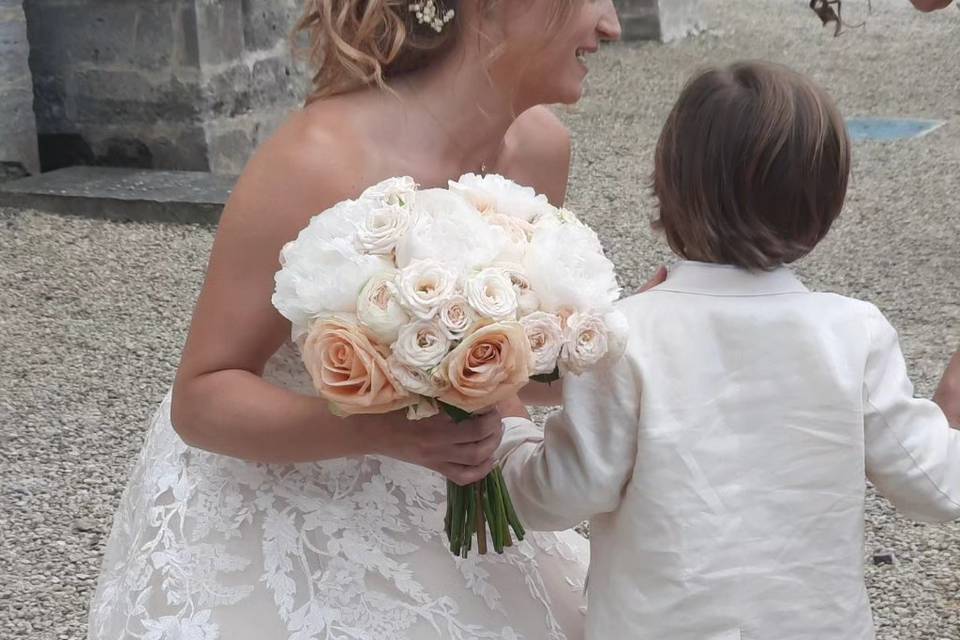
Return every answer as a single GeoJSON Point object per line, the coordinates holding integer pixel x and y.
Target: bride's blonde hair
{"type": "Point", "coordinates": [359, 43]}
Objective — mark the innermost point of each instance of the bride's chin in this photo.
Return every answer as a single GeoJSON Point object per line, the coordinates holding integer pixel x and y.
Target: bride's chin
{"type": "Point", "coordinates": [570, 94]}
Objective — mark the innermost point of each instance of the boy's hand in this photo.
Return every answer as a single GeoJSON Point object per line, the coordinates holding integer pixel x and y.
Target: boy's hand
{"type": "Point", "coordinates": [948, 392]}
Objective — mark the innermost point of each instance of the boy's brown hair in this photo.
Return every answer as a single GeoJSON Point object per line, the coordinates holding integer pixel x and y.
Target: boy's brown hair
{"type": "Point", "coordinates": [751, 168]}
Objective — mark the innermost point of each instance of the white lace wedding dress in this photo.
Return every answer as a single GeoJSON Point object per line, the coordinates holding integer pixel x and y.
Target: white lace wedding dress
{"type": "Point", "coordinates": [208, 547]}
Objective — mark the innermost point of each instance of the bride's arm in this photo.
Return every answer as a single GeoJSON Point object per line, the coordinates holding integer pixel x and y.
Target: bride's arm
{"type": "Point", "coordinates": [220, 402]}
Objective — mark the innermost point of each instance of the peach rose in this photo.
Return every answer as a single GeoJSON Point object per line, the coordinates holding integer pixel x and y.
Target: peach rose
{"type": "Point", "coordinates": [490, 365]}
{"type": "Point", "coordinates": [351, 371]}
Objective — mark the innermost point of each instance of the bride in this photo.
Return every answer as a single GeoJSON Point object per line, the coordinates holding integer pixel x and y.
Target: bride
{"type": "Point", "coordinates": [252, 512]}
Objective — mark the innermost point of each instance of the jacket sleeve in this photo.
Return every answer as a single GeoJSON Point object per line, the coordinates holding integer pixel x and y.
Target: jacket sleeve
{"type": "Point", "coordinates": [912, 454]}
{"type": "Point", "coordinates": [579, 464]}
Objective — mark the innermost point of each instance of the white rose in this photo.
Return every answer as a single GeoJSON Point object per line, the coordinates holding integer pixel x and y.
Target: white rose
{"type": "Point", "coordinates": [566, 268]}
{"type": "Point", "coordinates": [380, 231]}
{"type": "Point", "coordinates": [527, 299]}
{"type": "Point", "coordinates": [424, 286]}
{"type": "Point", "coordinates": [421, 345]}
{"type": "Point", "coordinates": [447, 229]}
{"type": "Point", "coordinates": [378, 308]}
{"type": "Point", "coordinates": [491, 294]}
{"type": "Point", "coordinates": [321, 276]}
{"type": "Point", "coordinates": [493, 193]}
{"type": "Point", "coordinates": [392, 192]}
{"type": "Point", "coordinates": [415, 379]}
{"type": "Point", "coordinates": [456, 316]}
{"type": "Point", "coordinates": [546, 340]}
{"type": "Point", "coordinates": [586, 342]}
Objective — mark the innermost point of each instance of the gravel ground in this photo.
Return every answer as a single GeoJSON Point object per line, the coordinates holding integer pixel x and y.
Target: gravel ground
{"type": "Point", "coordinates": [94, 312]}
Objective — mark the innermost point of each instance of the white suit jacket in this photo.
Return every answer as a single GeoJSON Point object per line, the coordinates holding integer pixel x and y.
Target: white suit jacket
{"type": "Point", "coordinates": [721, 462]}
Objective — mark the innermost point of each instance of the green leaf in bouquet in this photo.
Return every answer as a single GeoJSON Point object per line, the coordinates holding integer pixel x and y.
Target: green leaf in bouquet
{"type": "Point", "coordinates": [547, 378]}
{"type": "Point", "coordinates": [458, 414]}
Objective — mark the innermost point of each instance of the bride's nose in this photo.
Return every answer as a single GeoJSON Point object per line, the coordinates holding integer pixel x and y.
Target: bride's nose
{"type": "Point", "coordinates": [609, 24]}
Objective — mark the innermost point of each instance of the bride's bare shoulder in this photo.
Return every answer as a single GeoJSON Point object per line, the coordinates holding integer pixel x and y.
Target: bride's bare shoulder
{"type": "Point", "coordinates": [315, 158]}
{"type": "Point", "coordinates": [537, 153]}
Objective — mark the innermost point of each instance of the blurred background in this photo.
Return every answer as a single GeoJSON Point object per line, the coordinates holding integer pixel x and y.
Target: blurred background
{"type": "Point", "coordinates": [122, 124]}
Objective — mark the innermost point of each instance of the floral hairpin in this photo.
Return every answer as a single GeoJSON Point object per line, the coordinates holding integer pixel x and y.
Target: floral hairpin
{"type": "Point", "coordinates": [427, 13]}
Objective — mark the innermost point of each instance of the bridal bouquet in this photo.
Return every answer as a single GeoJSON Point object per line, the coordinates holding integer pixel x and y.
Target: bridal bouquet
{"type": "Point", "coordinates": [448, 299]}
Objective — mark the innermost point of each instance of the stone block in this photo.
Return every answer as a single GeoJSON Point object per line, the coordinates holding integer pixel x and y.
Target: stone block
{"type": "Point", "coordinates": [183, 147]}
{"type": "Point", "coordinates": [18, 125]}
{"type": "Point", "coordinates": [123, 194]}
{"type": "Point", "coordinates": [227, 93]}
{"type": "Point", "coordinates": [663, 20]}
{"type": "Point", "coordinates": [680, 18]}
{"type": "Point", "coordinates": [154, 39]}
{"type": "Point", "coordinates": [266, 23]}
{"type": "Point", "coordinates": [188, 44]}
{"type": "Point", "coordinates": [230, 149]}
{"type": "Point", "coordinates": [106, 96]}
{"type": "Point", "coordinates": [50, 103]}
{"type": "Point", "coordinates": [273, 84]}
{"type": "Point", "coordinates": [220, 31]}
{"type": "Point", "coordinates": [63, 35]}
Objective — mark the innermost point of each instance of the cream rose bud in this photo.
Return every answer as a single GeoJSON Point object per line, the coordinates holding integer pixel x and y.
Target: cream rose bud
{"type": "Point", "coordinates": [424, 286]}
{"type": "Point", "coordinates": [415, 379]}
{"type": "Point", "coordinates": [379, 310]}
{"type": "Point", "coordinates": [392, 192]}
{"type": "Point", "coordinates": [456, 316]}
{"type": "Point", "coordinates": [380, 231]}
{"type": "Point", "coordinates": [421, 344]}
{"type": "Point", "coordinates": [546, 340]}
{"type": "Point", "coordinates": [491, 294]}
{"type": "Point", "coordinates": [586, 342]}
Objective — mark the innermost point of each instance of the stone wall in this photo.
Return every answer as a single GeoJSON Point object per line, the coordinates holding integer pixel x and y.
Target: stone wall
{"type": "Point", "coordinates": [664, 20]}
{"type": "Point", "coordinates": [18, 131]}
{"type": "Point", "coordinates": [167, 84]}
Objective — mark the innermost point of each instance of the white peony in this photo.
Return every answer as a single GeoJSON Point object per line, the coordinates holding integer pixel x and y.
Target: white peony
{"type": "Point", "coordinates": [586, 342]}
{"type": "Point", "coordinates": [447, 229]}
{"type": "Point", "coordinates": [382, 228]}
{"type": "Point", "coordinates": [456, 316]}
{"type": "Point", "coordinates": [490, 292]}
{"type": "Point", "coordinates": [527, 299]}
{"type": "Point", "coordinates": [566, 268]}
{"type": "Point", "coordinates": [559, 217]}
{"type": "Point", "coordinates": [493, 193]}
{"type": "Point", "coordinates": [424, 286]}
{"type": "Point", "coordinates": [415, 379]}
{"type": "Point", "coordinates": [546, 340]}
{"type": "Point", "coordinates": [392, 192]}
{"type": "Point", "coordinates": [517, 233]}
{"type": "Point", "coordinates": [421, 345]}
{"type": "Point", "coordinates": [321, 276]}
{"type": "Point", "coordinates": [378, 308]}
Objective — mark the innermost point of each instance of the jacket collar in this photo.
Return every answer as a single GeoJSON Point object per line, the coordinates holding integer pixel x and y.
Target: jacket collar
{"type": "Point", "coordinates": [727, 280]}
